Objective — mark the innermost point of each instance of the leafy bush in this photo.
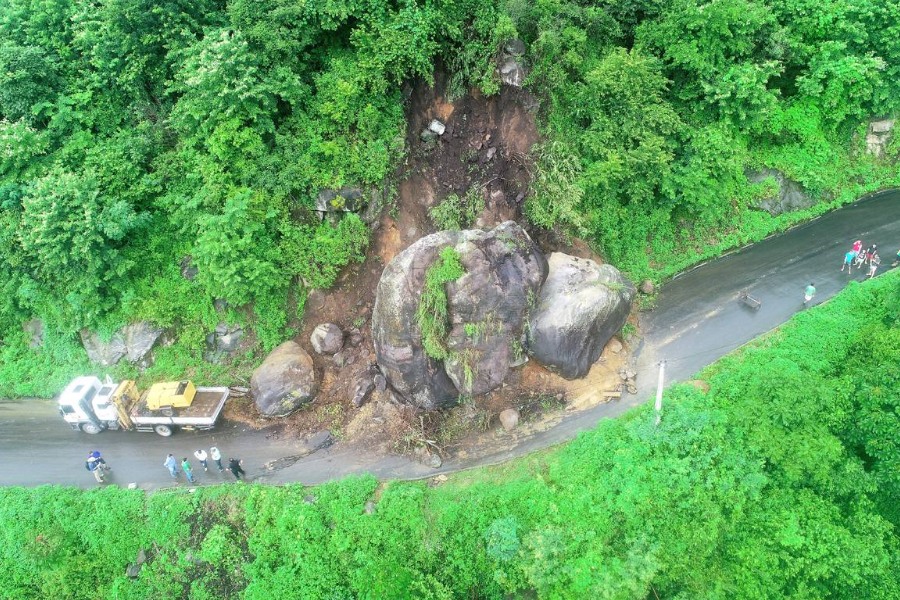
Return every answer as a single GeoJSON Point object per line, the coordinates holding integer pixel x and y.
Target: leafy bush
{"type": "Point", "coordinates": [455, 213]}
{"type": "Point", "coordinates": [431, 314]}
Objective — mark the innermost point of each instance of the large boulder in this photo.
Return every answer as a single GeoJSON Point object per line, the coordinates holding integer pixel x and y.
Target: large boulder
{"type": "Point", "coordinates": [486, 308]}
{"type": "Point", "coordinates": [284, 382]}
{"type": "Point", "coordinates": [789, 195]}
{"type": "Point", "coordinates": [103, 352]}
{"type": "Point", "coordinates": [581, 306]}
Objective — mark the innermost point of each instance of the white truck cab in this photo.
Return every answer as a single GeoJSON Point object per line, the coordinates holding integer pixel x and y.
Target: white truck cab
{"type": "Point", "coordinates": [75, 402]}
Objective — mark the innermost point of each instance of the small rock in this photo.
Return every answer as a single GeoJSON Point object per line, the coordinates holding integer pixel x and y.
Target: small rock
{"type": "Point", "coordinates": [220, 304]}
{"type": "Point", "coordinates": [515, 46]}
{"type": "Point", "coordinates": [434, 460]}
{"type": "Point", "coordinates": [355, 339]}
{"type": "Point", "coordinates": [338, 359]}
{"type": "Point", "coordinates": [439, 479]}
{"type": "Point", "coordinates": [380, 382]}
{"type": "Point", "coordinates": [437, 127]}
{"type": "Point", "coordinates": [369, 508]}
{"type": "Point", "coordinates": [361, 391]}
{"type": "Point", "coordinates": [490, 153]}
{"type": "Point", "coordinates": [327, 338]}
{"type": "Point", "coordinates": [647, 287]}
{"type": "Point", "coordinates": [614, 346]}
{"type": "Point", "coordinates": [309, 499]}
{"type": "Point", "coordinates": [188, 270]}
{"type": "Point", "coordinates": [509, 419]}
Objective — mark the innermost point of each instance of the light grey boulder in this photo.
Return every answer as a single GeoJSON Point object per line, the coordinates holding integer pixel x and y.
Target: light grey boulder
{"type": "Point", "coordinates": [134, 342]}
{"type": "Point", "coordinates": [581, 306]}
{"type": "Point", "coordinates": [327, 338]}
{"type": "Point", "coordinates": [878, 135]}
{"type": "Point", "coordinates": [509, 419]}
{"type": "Point", "coordinates": [139, 339]}
{"type": "Point", "coordinates": [284, 382]}
{"type": "Point", "coordinates": [512, 72]}
{"type": "Point", "coordinates": [35, 330]}
{"type": "Point", "coordinates": [790, 195]}
{"type": "Point", "coordinates": [486, 313]}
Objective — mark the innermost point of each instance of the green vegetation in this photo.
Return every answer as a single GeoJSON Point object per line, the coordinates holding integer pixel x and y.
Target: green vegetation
{"type": "Point", "coordinates": [458, 213]}
{"type": "Point", "coordinates": [432, 314]}
{"type": "Point", "coordinates": [781, 481]}
{"type": "Point", "coordinates": [654, 112]}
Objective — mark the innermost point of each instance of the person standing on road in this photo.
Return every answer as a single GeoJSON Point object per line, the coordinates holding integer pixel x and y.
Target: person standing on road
{"type": "Point", "coordinates": [810, 292]}
{"type": "Point", "coordinates": [873, 265]}
{"type": "Point", "coordinates": [188, 471]}
{"type": "Point", "coordinates": [848, 261]}
{"type": "Point", "coordinates": [93, 465]}
{"type": "Point", "coordinates": [217, 456]}
{"type": "Point", "coordinates": [234, 465]}
{"type": "Point", "coordinates": [172, 465]}
{"type": "Point", "coordinates": [201, 456]}
{"type": "Point", "coordinates": [857, 246]}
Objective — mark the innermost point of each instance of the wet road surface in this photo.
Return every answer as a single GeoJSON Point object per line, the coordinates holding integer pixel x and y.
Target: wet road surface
{"type": "Point", "coordinates": [697, 320]}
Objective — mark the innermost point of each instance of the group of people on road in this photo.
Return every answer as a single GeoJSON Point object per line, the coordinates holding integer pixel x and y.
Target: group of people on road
{"type": "Point", "coordinates": [172, 464]}
{"type": "Point", "coordinates": [858, 257]}
{"type": "Point", "coordinates": [97, 466]}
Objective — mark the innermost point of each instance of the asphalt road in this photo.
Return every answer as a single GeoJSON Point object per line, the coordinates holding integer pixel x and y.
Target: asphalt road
{"type": "Point", "coordinates": [697, 320]}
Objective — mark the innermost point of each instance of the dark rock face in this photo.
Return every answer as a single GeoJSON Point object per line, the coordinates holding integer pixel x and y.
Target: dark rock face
{"type": "Point", "coordinates": [790, 196]}
{"type": "Point", "coordinates": [35, 330]}
{"type": "Point", "coordinates": [222, 343]}
{"type": "Point", "coordinates": [504, 271]}
{"type": "Point", "coordinates": [284, 382]}
{"type": "Point", "coordinates": [581, 306]}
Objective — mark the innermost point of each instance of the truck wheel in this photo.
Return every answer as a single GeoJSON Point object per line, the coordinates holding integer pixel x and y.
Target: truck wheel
{"type": "Point", "coordinates": [91, 428]}
{"type": "Point", "coordinates": [163, 430]}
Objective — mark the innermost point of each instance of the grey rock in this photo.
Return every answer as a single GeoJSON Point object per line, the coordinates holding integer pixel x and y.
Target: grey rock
{"type": "Point", "coordinates": [220, 304]}
{"type": "Point", "coordinates": [103, 353]}
{"type": "Point", "coordinates": [188, 270]}
{"type": "Point", "coordinates": [380, 382]}
{"type": "Point", "coordinates": [509, 419]}
{"type": "Point", "coordinates": [345, 199]}
{"type": "Point", "coordinates": [791, 195]}
{"type": "Point", "coordinates": [512, 72]}
{"type": "Point", "coordinates": [878, 135]}
{"type": "Point", "coordinates": [514, 47]}
{"type": "Point", "coordinates": [285, 381]}
{"type": "Point", "coordinates": [139, 339]}
{"type": "Point", "coordinates": [581, 306]}
{"type": "Point", "coordinates": [355, 339]}
{"type": "Point", "coordinates": [35, 330]}
{"type": "Point", "coordinates": [486, 306]}
{"type": "Point", "coordinates": [437, 127]}
{"type": "Point", "coordinates": [369, 507]}
{"type": "Point", "coordinates": [490, 153]}
{"type": "Point", "coordinates": [615, 346]}
{"type": "Point", "coordinates": [647, 287]}
{"type": "Point", "coordinates": [338, 359]}
{"type": "Point", "coordinates": [362, 390]}
{"type": "Point", "coordinates": [434, 460]}
{"type": "Point", "coordinates": [327, 338]}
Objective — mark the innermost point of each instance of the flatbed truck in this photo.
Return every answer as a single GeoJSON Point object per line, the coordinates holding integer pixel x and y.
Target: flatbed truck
{"type": "Point", "coordinates": [92, 406]}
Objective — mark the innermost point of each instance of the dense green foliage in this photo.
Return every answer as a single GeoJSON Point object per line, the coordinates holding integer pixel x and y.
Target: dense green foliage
{"type": "Point", "coordinates": [432, 314]}
{"type": "Point", "coordinates": [780, 482]}
{"type": "Point", "coordinates": [136, 135]}
{"type": "Point", "coordinates": [655, 110]}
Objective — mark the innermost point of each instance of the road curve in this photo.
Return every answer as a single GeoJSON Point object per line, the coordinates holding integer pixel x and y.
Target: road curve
{"type": "Point", "coordinates": [696, 321]}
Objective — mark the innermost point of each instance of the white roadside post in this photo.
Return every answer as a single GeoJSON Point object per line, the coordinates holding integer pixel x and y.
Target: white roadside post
{"type": "Point", "coordinates": [659, 390]}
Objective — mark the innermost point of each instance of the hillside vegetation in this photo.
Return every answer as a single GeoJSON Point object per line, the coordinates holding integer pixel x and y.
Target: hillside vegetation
{"type": "Point", "coordinates": [782, 481]}
{"type": "Point", "coordinates": [138, 136]}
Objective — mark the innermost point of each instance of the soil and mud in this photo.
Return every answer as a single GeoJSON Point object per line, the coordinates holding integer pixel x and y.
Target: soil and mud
{"type": "Point", "coordinates": [486, 146]}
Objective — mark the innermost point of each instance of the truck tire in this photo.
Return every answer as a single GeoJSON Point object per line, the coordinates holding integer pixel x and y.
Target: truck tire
{"type": "Point", "coordinates": [164, 430]}
{"type": "Point", "coordinates": [91, 428]}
